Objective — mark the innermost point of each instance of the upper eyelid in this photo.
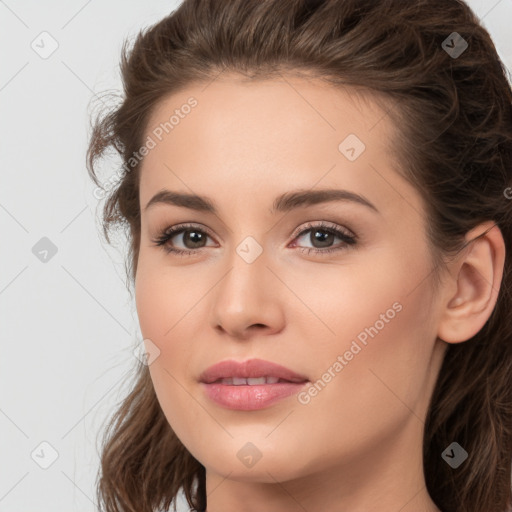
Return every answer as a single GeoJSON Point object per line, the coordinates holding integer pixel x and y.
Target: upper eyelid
{"type": "Point", "coordinates": [322, 225]}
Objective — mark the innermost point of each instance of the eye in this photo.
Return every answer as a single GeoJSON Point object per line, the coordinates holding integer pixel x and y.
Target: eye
{"type": "Point", "coordinates": [191, 235]}
{"type": "Point", "coordinates": [321, 234]}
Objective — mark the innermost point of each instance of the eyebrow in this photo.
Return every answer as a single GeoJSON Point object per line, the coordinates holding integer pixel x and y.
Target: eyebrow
{"type": "Point", "coordinates": [283, 203]}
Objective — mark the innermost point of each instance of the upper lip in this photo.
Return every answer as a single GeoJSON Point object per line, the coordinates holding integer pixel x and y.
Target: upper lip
{"type": "Point", "coordinates": [247, 369]}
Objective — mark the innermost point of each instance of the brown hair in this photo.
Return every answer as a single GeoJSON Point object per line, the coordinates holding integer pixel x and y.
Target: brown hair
{"type": "Point", "coordinates": [454, 120]}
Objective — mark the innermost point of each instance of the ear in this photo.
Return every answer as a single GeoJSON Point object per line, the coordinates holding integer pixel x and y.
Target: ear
{"type": "Point", "coordinates": [476, 276]}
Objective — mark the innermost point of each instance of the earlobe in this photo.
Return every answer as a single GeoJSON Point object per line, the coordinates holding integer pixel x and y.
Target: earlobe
{"type": "Point", "coordinates": [479, 273]}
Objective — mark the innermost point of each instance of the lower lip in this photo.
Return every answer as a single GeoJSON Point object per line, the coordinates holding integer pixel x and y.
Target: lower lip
{"type": "Point", "coordinates": [250, 398]}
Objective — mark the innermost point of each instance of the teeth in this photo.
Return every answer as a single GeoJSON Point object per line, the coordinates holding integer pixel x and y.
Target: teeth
{"type": "Point", "coordinates": [251, 381]}
{"type": "Point", "coordinates": [256, 380]}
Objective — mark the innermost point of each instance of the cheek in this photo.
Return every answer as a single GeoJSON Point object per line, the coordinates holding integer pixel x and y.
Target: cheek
{"type": "Point", "coordinates": [372, 374]}
{"type": "Point", "coordinates": [166, 297]}
{"type": "Point", "coordinates": [167, 306]}
{"type": "Point", "coordinates": [374, 294]}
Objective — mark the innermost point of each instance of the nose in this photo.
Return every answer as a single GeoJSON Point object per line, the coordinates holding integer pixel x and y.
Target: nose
{"type": "Point", "coordinates": [248, 300]}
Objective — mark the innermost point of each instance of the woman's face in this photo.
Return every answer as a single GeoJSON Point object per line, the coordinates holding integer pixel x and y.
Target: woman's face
{"type": "Point", "coordinates": [356, 321]}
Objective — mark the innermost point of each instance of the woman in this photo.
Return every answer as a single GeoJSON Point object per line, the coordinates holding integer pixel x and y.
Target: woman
{"type": "Point", "coordinates": [317, 199]}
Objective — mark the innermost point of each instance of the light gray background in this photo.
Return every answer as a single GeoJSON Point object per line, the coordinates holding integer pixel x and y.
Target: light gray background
{"type": "Point", "coordinates": [69, 325]}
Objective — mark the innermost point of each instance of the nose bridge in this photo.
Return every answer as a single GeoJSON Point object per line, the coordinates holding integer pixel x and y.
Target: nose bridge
{"type": "Point", "coordinates": [244, 296]}
{"type": "Point", "coordinates": [247, 275]}
{"type": "Point", "coordinates": [248, 244]}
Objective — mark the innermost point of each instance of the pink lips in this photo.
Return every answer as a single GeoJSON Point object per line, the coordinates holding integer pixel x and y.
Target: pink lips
{"type": "Point", "coordinates": [224, 383]}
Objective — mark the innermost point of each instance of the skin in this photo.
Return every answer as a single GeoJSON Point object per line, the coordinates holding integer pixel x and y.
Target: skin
{"type": "Point", "coordinates": [356, 446]}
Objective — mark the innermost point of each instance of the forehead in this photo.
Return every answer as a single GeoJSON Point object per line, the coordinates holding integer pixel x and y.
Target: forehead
{"type": "Point", "coordinates": [249, 136]}
{"type": "Point", "coordinates": [309, 107]}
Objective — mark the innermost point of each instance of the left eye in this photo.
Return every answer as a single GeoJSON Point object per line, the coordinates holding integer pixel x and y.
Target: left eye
{"type": "Point", "coordinates": [322, 234]}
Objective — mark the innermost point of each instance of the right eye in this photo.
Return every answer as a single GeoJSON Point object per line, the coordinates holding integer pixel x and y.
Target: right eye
{"type": "Point", "coordinates": [189, 232]}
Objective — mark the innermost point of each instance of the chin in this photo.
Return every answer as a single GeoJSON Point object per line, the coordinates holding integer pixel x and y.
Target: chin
{"type": "Point", "coordinates": [256, 461]}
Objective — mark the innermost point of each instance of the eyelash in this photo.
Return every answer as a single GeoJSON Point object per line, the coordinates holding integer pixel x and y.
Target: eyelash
{"type": "Point", "coordinates": [168, 233]}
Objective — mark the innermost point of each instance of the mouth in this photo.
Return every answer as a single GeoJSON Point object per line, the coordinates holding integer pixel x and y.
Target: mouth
{"type": "Point", "coordinates": [250, 372]}
{"type": "Point", "coordinates": [250, 381]}
{"type": "Point", "coordinates": [250, 385]}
